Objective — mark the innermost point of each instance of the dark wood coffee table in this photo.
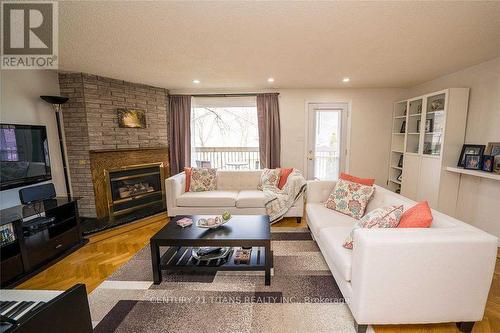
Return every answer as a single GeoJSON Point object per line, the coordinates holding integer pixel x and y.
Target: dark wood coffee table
{"type": "Point", "coordinates": [241, 231]}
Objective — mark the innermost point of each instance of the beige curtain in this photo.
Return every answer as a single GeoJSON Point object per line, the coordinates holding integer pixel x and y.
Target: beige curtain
{"type": "Point", "coordinates": [268, 114]}
{"type": "Point", "coordinates": [179, 132]}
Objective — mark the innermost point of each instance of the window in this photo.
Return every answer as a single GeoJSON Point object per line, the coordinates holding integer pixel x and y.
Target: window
{"type": "Point", "coordinates": [224, 133]}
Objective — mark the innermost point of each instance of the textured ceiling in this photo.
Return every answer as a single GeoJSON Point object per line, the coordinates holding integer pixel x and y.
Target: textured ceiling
{"type": "Point", "coordinates": [300, 44]}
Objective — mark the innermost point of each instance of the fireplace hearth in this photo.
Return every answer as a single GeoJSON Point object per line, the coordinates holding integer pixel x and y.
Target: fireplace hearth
{"type": "Point", "coordinates": [134, 187]}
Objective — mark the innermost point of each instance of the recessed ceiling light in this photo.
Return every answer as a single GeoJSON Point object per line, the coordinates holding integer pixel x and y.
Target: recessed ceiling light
{"type": "Point", "coordinates": [196, 81]}
{"type": "Point", "coordinates": [270, 80]}
{"type": "Point", "coordinates": [346, 79]}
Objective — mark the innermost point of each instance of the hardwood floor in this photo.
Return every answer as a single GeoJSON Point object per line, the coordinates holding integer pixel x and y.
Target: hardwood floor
{"type": "Point", "coordinates": [106, 252]}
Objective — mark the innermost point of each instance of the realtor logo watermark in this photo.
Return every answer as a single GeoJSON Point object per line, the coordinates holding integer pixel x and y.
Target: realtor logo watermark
{"type": "Point", "coordinates": [29, 35]}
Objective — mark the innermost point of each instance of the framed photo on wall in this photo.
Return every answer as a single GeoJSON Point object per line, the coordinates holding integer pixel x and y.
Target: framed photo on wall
{"type": "Point", "coordinates": [469, 149]}
{"type": "Point", "coordinates": [131, 118]}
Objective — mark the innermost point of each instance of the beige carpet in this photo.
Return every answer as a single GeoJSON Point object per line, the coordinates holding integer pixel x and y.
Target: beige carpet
{"type": "Point", "coordinates": [302, 297]}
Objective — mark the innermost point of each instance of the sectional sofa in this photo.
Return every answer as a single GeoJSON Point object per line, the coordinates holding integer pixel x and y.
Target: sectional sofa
{"type": "Point", "coordinates": [236, 192]}
{"type": "Point", "coordinates": [404, 276]}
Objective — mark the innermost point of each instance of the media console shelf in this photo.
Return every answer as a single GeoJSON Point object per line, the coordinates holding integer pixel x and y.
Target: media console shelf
{"type": "Point", "coordinates": [34, 236]}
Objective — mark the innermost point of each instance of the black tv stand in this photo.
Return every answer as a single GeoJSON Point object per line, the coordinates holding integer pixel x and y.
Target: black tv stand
{"type": "Point", "coordinates": [39, 234]}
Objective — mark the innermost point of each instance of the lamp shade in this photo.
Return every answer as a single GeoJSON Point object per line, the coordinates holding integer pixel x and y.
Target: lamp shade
{"type": "Point", "coordinates": [55, 99]}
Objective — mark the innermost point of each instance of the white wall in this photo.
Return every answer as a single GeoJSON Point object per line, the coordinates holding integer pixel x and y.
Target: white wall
{"type": "Point", "coordinates": [371, 116]}
{"type": "Point", "coordinates": [479, 198]}
{"type": "Point", "coordinates": [20, 104]}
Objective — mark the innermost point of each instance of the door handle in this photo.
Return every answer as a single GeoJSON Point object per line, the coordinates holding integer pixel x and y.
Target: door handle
{"type": "Point", "coordinates": [310, 155]}
{"type": "Point", "coordinates": [58, 246]}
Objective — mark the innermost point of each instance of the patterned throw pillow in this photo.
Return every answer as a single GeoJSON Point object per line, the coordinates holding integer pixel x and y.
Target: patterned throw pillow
{"type": "Point", "coordinates": [203, 180]}
{"type": "Point", "coordinates": [385, 217]}
{"type": "Point", "coordinates": [269, 177]}
{"type": "Point", "coordinates": [350, 198]}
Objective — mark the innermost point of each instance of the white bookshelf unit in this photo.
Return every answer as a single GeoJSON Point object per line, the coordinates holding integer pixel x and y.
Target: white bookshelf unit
{"type": "Point", "coordinates": [428, 132]}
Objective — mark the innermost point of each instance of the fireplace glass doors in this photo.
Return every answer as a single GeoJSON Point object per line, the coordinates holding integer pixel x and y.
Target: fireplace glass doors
{"type": "Point", "coordinates": [135, 187]}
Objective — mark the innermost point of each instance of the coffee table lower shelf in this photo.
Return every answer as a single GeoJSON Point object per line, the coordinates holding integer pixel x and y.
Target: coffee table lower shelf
{"type": "Point", "coordinates": [180, 258]}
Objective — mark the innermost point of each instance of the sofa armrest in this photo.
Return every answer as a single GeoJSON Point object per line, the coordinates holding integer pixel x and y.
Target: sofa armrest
{"type": "Point", "coordinates": [174, 187]}
{"type": "Point", "coordinates": [421, 275]}
{"type": "Point", "coordinates": [319, 190]}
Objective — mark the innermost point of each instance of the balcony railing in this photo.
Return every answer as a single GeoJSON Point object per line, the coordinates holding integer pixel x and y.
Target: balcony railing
{"type": "Point", "coordinates": [247, 158]}
{"type": "Point", "coordinates": [326, 166]}
{"type": "Point", "coordinates": [227, 158]}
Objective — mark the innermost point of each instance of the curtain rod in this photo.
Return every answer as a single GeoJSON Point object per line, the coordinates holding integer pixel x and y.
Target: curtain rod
{"type": "Point", "coordinates": [223, 95]}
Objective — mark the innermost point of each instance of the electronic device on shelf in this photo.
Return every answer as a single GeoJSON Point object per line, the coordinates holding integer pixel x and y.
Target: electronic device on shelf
{"type": "Point", "coordinates": [27, 311]}
{"type": "Point", "coordinates": [35, 194]}
{"type": "Point", "coordinates": [38, 224]}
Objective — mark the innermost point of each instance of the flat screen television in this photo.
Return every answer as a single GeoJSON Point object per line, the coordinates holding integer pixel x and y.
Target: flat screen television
{"type": "Point", "coordinates": [24, 155]}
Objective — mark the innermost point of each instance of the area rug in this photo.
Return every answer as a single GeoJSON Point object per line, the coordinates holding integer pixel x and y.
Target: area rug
{"type": "Point", "coordinates": [303, 296]}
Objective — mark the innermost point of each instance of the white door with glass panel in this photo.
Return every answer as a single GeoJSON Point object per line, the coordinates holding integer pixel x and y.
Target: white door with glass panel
{"type": "Point", "coordinates": [326, 142]}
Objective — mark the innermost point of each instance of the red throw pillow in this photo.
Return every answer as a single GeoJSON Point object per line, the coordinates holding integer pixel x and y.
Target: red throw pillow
{"type": "Point", "coordinates": [362, 181]}
{"type": "Point", "coordinates": [188, 172]}
{"type": "Point", "coordinates": [285, 172]}
{"type": "Point", "coordinates": [418, 216]}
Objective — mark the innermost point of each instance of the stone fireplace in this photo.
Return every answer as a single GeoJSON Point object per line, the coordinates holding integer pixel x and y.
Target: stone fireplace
{"type": "Point", "coordinates": [96, 144]}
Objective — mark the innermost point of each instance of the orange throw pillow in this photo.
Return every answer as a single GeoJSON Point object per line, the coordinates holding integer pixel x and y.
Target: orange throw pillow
{"type": "Point", "coordinates": [418, 216]}
{"type": "Point", "coordinates": [362, 181]}
{"type": "Point", "coordinates": [188, 172]}
{"type": "Point", "coordinates": [285, 172]}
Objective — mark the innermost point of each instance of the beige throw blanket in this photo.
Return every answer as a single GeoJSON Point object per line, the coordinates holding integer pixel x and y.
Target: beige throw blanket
{"type": "Point", "coordinates": [278, 202]}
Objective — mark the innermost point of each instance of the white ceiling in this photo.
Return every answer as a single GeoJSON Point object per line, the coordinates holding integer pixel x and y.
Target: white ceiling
{"type": "Point", "coordinates": [300, 44]}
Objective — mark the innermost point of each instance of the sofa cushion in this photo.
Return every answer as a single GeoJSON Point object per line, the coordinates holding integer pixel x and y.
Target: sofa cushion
{"type": "Point", "coordinates": [350, 198]}
{"type": "Point", "coordinates": [331, 239]}
{"type": "Point", "coordinates": [203, 180]}
{"type": "Point", "coordinates": [418, 216]}
{"type": "Point", "coordinates": [284, 173]}
{"type": "Point", "coordinates": [188, 171]}
{"type": "Point", "coordinates": [208, 199]}
{"type": "Point", "coordinates": [269, 178]}
{"type": "Point", "coordinates": [228, 180]}
{"type": "Point", "coordinates": [354, 179]}
{"type": "Point", "coordinates": [319, 217]}
{"type": "Point", "coordinates": [383, 217]}
{"type": "Point", "coordinates": [250, 199]}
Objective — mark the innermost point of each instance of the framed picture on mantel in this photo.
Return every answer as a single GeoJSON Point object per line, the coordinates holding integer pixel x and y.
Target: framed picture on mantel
{"type": "Point", "coordinates": [131, 118]}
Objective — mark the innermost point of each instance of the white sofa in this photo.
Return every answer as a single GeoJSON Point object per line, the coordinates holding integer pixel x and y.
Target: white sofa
{"type": "Point", "coordinates": [404, 276]}
{"type": "Point", "coordinates": [236, 193]}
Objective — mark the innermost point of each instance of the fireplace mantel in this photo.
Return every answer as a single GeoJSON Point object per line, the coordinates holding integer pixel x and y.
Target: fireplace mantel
{"type": "Point", "coordinates": [119, 150]}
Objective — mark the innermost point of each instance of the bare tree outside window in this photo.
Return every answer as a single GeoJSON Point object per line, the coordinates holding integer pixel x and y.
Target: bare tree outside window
{"type": "Point", "coordinates": [225, 137]}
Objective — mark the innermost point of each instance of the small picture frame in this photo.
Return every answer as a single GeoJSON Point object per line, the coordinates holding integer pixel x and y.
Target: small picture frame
{"type": "Point", "coordinates": [488, 163]}
{"type": "Point", "coordinates": [400, 162]}
{"type": "Point", "coordinates": [472, 162]}
{"type": "Point", "coordinates": [493, 148]}
{"type": "Point", "coordinates": [429, 124]}
{"type": "Point", "coordinates": [403, 127]}
{"type": "Point", "coordinates": [131, 118]}
{"type": "Point", "coordinates": [470, 149]}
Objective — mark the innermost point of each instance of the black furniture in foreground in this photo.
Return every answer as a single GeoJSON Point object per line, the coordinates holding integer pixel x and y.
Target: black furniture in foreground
{"type": "Point", "coordinates": [241, 231]}
{"type": "Point", "coordinates": [35, 236]}
{"type": "Point", "coordinates": [39, 311]}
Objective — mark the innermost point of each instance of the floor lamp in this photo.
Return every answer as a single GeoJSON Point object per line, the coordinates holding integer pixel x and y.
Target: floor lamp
{"type": "Point", "coordinates": [56, 102]}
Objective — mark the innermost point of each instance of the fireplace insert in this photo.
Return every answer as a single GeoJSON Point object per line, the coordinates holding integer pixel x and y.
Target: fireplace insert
{"type": "Point", "coordinates": [134, 187]}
